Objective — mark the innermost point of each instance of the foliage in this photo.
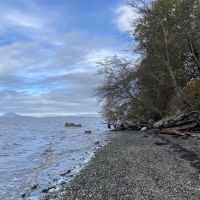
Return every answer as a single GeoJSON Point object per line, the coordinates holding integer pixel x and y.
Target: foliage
{"type": "Point", "coordinates": [167, 78]}
{"type": "Point", "coordinates": [119, 88]}
{"type": "Point", "coordinates": [191, 96]}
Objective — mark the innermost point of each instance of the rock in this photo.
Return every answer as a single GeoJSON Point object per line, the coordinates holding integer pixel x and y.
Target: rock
{"type": "Point", "coordinates": [158, 124]}
{"type": "Point", "coordinates": [53, 190]}
{"type": "Point", "coordinates": [60, 182]}
{"type": "Point", "coordinates": [23, 195]}
{"type": "Point", "coordinates": [34, 186]}
{"type": "Point", "coordinates": [68, 172]}
{"type": "Point", "coordinates": [63, 183]}
{"type": "Point", "coordinates": [48, 189]}
{"type": "Point", "coordinates": [71, 124]}
{"type": "Point", "coordinates": [97, 142]}
{"type": "Point", "coordinates": [88, 131]}
{"type": "Point", "coordinates": [77, 125]}
{"type": "Point", "coordinates": [48, 150]}
{"type": "Point", "coordinates": [144, 129]}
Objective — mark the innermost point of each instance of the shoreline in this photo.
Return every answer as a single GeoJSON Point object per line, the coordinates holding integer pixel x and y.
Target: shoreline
{"type": "Point", "coordinates": [138, 165]}
{"type": "Point", "coordinates": [68, 175]}
{"type": "Point", "coordinates": [34, 190]}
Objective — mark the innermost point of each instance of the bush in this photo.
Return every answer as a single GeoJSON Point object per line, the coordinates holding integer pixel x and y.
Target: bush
{"type": "Point", "coordinates": [190, 100]}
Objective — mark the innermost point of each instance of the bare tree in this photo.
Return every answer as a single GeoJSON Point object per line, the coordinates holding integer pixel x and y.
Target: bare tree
{"type": "Point", "coordinates": [119, 86]}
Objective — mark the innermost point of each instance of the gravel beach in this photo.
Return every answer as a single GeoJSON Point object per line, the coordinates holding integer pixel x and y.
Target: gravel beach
{"type": "Point", "coordinates": [139, 165]}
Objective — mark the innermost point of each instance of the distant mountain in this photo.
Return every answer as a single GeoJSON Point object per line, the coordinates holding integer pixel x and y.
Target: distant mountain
{"type": "Point", "coordinates": [10, 114]}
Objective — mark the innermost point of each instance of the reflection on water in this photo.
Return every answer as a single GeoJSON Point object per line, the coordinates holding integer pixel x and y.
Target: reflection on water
{"type": "Point", "coordinates": [35, 151]}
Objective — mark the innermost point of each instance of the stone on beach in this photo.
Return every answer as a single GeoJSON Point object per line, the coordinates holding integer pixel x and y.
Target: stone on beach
{"type": "Point", "coordinates": [144, 129]}
{"type": "Point", "coordinates": [23, 195]}
{"type": "Point", "coordinates": [131, 167]}
{"type": "Point", "coordinates": [97, 142]}
{"type": "Point", "coordinates": [65, 173]}
{"type": "Point", "coordinates": [46, 190]}
{"type": "Point", "coordinates": [53, 190]}
{"type": "Point", "coordinates": [88, 131]}
{"type": "Point", "coordinates": [34, 186]}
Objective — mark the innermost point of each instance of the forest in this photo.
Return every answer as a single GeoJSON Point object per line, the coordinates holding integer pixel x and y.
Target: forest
{"type": "Point", "coordinates": [166, 79]}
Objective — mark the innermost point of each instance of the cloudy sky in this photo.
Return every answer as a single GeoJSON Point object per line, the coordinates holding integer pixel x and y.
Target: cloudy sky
{"type": "Point", "coordinates": [49, 50]}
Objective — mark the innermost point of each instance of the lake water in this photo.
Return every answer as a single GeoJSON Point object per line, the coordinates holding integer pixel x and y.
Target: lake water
{"type": "Point", "coordinates": [37, 152]}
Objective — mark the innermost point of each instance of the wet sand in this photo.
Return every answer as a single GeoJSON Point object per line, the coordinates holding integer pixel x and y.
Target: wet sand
{"type": "Point", "coordinates": [137, 166]}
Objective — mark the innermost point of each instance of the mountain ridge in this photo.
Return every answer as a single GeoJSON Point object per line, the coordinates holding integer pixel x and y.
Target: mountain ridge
{"type": "Point", "coordinates": [11, 114]}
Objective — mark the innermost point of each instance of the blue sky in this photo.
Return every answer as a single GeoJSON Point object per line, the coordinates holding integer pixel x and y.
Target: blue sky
{"type": "Point", "coordinates": [49, 50]}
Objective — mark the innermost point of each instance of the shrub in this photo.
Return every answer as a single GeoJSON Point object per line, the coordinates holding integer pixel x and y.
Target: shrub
{"type": "Point", "coordinates": [190, 100]}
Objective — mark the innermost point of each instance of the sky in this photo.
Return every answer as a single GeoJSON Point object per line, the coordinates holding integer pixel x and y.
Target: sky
{"type": "Point", "coordinates": [49, 50]}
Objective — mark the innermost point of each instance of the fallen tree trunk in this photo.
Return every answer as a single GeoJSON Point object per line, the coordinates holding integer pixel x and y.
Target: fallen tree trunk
{"type": "Point", "coordinates": [181, 125]}
{"type": "Point", "coordinates": [178, 121]}
{"type": "Point", "coordinates": [177, 130]}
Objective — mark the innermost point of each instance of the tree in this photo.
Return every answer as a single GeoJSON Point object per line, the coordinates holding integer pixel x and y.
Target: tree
{"type": "Point", "coordinates": [118, 89]}
{"type": "Point", "coordinates": [168, 40]}
{"type": "Point", "coordinates": [166, 80]}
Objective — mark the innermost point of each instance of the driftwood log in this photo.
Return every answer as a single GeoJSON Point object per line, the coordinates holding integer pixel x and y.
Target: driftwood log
{"type": "Point", "coordinates": [187, 124]}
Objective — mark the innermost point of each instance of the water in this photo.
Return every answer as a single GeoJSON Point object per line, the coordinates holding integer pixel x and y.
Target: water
{"type": "Point", "coordinates": [36, 152]}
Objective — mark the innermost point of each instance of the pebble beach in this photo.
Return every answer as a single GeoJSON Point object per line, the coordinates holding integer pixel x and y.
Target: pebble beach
{"type": "Point", "coordinates": [137, 166]}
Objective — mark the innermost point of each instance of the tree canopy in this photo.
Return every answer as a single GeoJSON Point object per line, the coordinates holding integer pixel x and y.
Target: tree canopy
{"type": "Point", "coordinates": [166, 80]}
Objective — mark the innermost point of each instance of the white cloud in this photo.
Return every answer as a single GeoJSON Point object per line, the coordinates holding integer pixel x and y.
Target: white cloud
{"type": "Point", "coordinates": [125, 17]}
{"type": "Point", "coordinates": [17, 18]}
{"type": "Point", "coordinates": [46, 77]}
{"type": "Point", "coordinates": [44, 66]}
{"type": "Point", "coordinates": [29, 19]}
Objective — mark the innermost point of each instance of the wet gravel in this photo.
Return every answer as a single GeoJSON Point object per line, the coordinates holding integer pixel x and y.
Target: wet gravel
{"type": "Point", "coordinates": [139, 166]}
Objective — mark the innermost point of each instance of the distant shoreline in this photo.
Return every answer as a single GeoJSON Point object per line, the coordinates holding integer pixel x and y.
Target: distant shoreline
{"type": "Point", "coordinates": [138, 165]}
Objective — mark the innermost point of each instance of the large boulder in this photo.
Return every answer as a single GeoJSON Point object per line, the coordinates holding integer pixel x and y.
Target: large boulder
{"type": "Point", "coordinates": [71, 124]}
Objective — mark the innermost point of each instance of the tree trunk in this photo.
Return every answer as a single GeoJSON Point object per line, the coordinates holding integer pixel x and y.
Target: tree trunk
{"type": "Point", "coordinates": [169, 66]}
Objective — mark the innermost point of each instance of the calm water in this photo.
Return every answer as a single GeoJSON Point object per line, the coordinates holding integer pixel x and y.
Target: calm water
{"type": "Point", "coordinates": [35, 151]}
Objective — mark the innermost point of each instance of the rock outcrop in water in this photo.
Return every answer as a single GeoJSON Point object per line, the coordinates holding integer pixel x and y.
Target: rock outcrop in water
{"type": "Point", "coordinates": [71, 124]}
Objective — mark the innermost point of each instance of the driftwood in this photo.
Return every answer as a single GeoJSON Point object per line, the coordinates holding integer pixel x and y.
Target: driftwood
{"type": "Point", "coordinates": [184, 125]}
{"type": "Point", "coordinates": [178, 121]}
{"type": "Point", "coordinates": [177, 129]}
{"type": "Point", "coordinates": [187, 124]}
